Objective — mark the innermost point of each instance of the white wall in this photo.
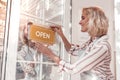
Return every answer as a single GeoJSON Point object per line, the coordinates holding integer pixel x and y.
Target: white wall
{"type": "Point", "coordinates": [108, 7]}
{"type": "Point", "coordinates": [117, 31]}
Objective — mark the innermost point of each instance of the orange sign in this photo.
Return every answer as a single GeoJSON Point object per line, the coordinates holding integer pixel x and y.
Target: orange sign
{"type": "Point", "coordinates": [42, 34]}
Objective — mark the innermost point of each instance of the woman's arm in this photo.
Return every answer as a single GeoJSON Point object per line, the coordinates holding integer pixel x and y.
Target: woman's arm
{"type": "Point", "coordinates": [60, 32]}
{"type": "Point", "coordinates": [94, 58]}
{"type": "Point", "coordinates": [66, 42]}
{"type": "Point", "coordinates": [46, 51]}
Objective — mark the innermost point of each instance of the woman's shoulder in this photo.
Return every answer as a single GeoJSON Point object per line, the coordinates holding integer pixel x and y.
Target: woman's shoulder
{"type": "Point", "coordinates": [102, 41]}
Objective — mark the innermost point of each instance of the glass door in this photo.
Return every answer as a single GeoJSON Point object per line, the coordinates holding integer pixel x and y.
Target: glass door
{"type": "Point", "coordinates": [23, 62]}
{"type": "Point", "coordinates": [39, 12]}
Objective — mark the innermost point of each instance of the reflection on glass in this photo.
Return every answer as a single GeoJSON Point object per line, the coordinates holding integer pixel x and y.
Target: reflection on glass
{"type": "Point", "coordinates": [19, 72]}
{"type": "Point", "coordinates": [32, 65]}
{"type": "Point", "coordinates": [50, 72]}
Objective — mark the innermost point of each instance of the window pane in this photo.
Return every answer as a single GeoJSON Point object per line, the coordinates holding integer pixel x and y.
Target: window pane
{"type": "Point", "coordinates": [50, 72]}
{"type": "Point", "coordinates": [31, 64]}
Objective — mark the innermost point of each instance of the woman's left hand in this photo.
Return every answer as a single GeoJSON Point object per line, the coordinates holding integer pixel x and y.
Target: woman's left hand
{"type": "Point", "coordinates": [45, 50]}
{"type": "Point", "coordinates": [41, 48]}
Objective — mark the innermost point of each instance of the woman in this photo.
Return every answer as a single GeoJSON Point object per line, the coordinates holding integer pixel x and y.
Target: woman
{"type": "Point", "coordinates": [96, 52]}
{"type": "Point", "coordinates": [27, 53]}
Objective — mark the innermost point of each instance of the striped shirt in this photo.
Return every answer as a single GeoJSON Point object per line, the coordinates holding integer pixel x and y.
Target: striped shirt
{"type": "Point", "coordinates": [27, 54]}
{"type": "Point", "coordinates": [95, 59]}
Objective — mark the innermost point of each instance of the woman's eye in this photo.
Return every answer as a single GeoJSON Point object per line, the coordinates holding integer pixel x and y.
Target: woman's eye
{"type": "Point", "coordinates": [82, 17]}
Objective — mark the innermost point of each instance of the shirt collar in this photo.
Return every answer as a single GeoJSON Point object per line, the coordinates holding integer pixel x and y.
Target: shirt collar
{"type": "Point", "coordinates": [102, 38]}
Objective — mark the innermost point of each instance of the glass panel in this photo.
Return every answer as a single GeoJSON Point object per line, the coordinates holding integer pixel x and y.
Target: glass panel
{"type": "Point", "coordinates": [54, 16]}
{"type": "Point", "coordinates": [32, 65]}
{"type": "Point", "coordinates": [50, 72]}
{"type": "Point", "coordinates": [2, 28]}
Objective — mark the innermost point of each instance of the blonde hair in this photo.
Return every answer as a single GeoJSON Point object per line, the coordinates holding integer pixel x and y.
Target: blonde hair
{"type": "Point", "coordinates": [98, 22]}
{"type": "Point", "coordinates": [25, 39]}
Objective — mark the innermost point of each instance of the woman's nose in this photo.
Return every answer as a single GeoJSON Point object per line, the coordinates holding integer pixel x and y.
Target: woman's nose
{"type": "Point", "coordinates": [80, 22]}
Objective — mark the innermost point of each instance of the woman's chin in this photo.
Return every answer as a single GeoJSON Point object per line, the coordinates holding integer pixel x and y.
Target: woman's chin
{"type": "Point", "coordinates": [83, 31]}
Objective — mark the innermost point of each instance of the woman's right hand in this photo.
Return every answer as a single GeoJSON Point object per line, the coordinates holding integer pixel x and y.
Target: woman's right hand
{"type": "Point", "coordinates": [57, 29]}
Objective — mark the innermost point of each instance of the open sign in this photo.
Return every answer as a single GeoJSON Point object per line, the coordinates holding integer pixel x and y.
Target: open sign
{"type": "Point", "coordinates": [42, 34]}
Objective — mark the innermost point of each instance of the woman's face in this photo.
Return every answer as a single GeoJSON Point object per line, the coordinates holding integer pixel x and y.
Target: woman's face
{"type": "Point", "coordinates": [84, 22]}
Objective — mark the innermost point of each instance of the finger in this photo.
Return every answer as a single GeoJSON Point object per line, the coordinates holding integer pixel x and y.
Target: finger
{"type": "Point", "coordinates": [39, 45]}
{"type": "Point", "coordinates": [53, 27]}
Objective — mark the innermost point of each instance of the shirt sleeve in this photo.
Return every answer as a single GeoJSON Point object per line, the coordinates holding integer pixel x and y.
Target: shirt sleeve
{"type": "Point", "coordinates": [94, 58]}
{"type": "Point", "coordinates": [74, 50]}
{"type": "Point", "coordinates": [77, 50]}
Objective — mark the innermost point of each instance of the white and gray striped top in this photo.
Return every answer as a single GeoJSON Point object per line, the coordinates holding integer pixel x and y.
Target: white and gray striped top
{"type": "Point", "coordinates": [95, 58]}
